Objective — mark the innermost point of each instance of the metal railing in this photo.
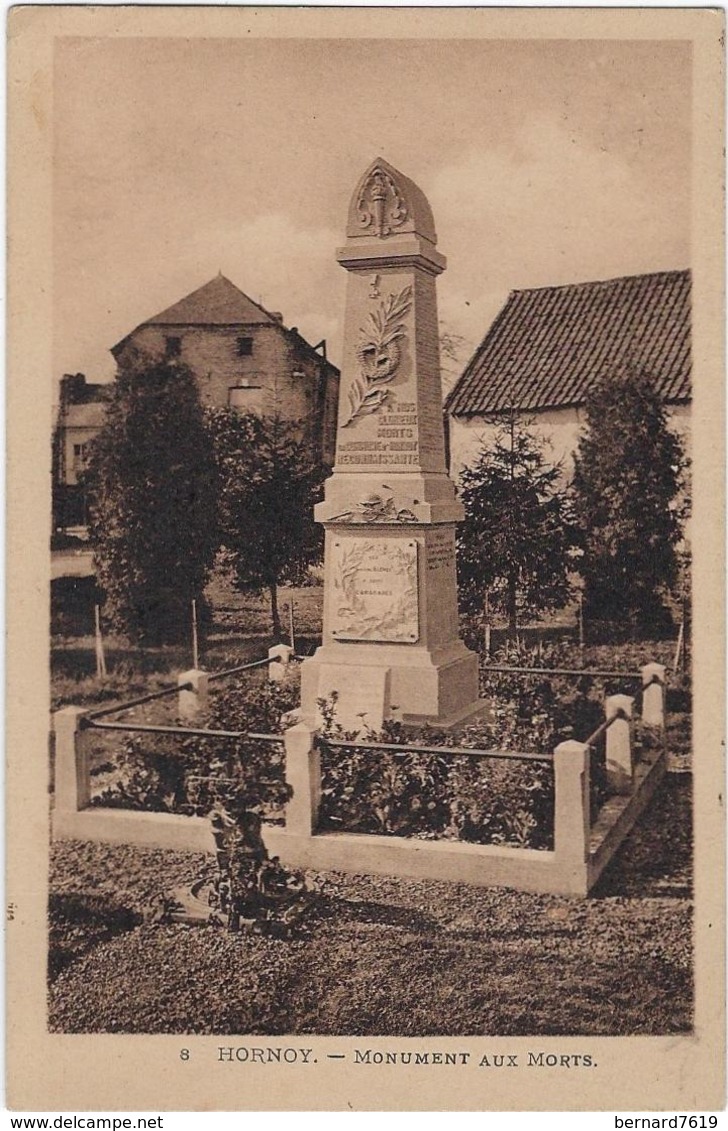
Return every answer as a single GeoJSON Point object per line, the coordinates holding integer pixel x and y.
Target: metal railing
{"type": "Point", "coordinates": [396, 750]}
{"type": "Point", "coordinates": [604, 727]}
{"type": "Point", "coordinates": [596, 672]}
{"type": "Point", "coordinates": [244, 668]}
{"type": "Point", "coordinates": [175, 688]}
{"type": "Point", "coordinates": [402, 750]}
{"type": "Point", "coordinates": [186, 732]}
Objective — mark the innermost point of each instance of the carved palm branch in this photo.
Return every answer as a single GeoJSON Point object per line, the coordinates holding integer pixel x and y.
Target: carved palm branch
{"type": "Point", "coordinates": [384, 327]}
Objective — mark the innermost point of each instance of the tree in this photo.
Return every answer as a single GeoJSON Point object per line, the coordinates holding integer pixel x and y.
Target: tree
{"type": "Point", "coordinates": [454, 353]}
{"type": "Point", "coordinates": [269, 482]}
{"type": "Point", "coordinates": [515, 540]}
{"type": "Point", "coordinates": [629, 471]}
{"type": "Point", "coordinates": [152, 481]}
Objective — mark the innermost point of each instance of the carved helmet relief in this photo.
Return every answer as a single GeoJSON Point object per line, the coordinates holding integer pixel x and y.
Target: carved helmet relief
{"type": "Point", "coordinates": [386, 203]}
{"type": "Point", "coordinates": [380, 205]}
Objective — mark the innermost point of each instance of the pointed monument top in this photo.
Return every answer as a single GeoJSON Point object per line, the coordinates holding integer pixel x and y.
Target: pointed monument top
{"type": "Point", "coordinates": [386, 203]}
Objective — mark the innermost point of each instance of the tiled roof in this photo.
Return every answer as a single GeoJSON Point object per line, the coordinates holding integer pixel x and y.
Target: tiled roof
{"type": "Point", "coordinates": [221, 303]}
{"type": "Point", "coordinates": [217, 303]}
{"type": "Point", "coordinates": [547, 346]}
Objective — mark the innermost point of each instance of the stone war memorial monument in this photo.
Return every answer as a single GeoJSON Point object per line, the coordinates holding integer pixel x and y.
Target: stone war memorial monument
{"type": "Point", "coordinates": [390, 633]}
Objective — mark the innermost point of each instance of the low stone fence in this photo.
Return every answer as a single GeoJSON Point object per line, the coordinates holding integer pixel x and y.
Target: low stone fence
{"type": "Point", "coordinates": [581, 850]}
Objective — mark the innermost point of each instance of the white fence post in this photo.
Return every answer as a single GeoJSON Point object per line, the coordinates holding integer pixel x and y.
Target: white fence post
{"type": "Point", "coordinates": [571, 803]}
{"type": "Point", "coordinates": [72, 779]}
{"type": "Point", "coordinates": [279, 657]}
{"type": "Point", "coordinates": [192, 694]}
{"type": "Point", "coordinates": [619, 752]}
{"type": "Point", "coordinates": [303, 774]}
{"type": "Point", "coordinates": [653, 695]}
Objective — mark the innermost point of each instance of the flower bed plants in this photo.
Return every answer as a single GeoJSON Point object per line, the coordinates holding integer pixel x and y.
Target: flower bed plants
{"type": "Point", "coordinates": [190, 775]}
{"type": "Point", "coordinates": [402, 793]}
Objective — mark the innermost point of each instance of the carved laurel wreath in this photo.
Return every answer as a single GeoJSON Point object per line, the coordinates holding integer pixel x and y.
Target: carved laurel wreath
{"type": "Point", "coordinates": [378, 354]}
{"type": "Point", "coordinates": [353, 610]}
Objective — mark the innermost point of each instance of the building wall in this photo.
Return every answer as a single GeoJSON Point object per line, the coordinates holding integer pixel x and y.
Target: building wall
{"type": "Point", "coordinates": [561, 429]}
{"type": "Point", "coordinates": [75, 436]}
{"type": "Point", "coordinates": [281, 373]}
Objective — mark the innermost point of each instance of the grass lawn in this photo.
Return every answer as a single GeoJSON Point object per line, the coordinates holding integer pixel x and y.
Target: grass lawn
{"type": "Point", "coordinates": [241, 631]}
{"type": "Point", "coordinates": [384, 956]}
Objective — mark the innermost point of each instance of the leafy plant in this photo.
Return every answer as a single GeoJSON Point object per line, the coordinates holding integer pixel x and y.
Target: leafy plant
{"type": "Point", "coordinates": [192, 774]}
{"type": "Point", "coordinates": [269, 482]}
{"type": "Point", "coordinates": [432, 796]}
{"type": "Point", "coordinates": [152, 484]}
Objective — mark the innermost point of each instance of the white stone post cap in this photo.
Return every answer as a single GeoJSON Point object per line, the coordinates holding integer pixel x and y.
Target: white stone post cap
{"type": "Point", "coordinates": [194, 675]}
{"type": "Point", "coordinates": [613, 704]}
{"type": "Point", "coordinates": [64, 715]}
{"type": "Point", "coordinates": [571, 747]}
{"type": "Point", "coordinates": [653, 673]}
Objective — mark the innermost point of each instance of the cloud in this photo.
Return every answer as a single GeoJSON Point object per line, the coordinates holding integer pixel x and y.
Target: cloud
{"type": "Point", "coordinates": [285, 267]}
{"type": "Point", "coordinates": [288, 268]}
{"type": "Point", "coordinates": [549, 206]}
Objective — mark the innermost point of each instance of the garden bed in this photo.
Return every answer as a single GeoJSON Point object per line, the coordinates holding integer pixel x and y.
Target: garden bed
{"type": "Point", "coordinates": [482, 801]}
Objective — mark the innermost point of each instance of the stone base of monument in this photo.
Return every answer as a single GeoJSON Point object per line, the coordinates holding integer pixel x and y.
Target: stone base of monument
{"type": "Point", "coordinates": [195, 906]}
{"type": "Point", "coordinates": [417, 688]}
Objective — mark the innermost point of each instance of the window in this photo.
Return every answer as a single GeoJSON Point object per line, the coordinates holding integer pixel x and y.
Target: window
{"type": "Point", "coordinates": [80, 457]}
{"type": "Point", "coordinates": [244, 347]}
{"type": "Point", "coordinates": [173, 347]}
{"type": "Point", "coordinates": [244, 396]}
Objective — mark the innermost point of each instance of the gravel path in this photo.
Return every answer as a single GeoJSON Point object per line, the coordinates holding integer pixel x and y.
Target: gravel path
{"type": "Point", "coordinates": [384, 956]}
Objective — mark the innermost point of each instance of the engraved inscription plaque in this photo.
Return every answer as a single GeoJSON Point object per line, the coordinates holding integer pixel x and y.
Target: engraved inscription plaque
{"type": "Point", "coordinates": [441, 549]}
{"type": "Point", "coordinates": [374, 594]}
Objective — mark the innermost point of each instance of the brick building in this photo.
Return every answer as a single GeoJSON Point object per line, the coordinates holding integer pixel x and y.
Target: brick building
{"type": "Point", "coordinates": [81, 412]}
{"type": "Point", "coordinates": [241, 355]}
{"type": "Point", "coordinates": [548, 345]}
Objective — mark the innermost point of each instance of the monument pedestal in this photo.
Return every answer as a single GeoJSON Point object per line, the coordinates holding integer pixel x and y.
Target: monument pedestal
{"type": "Point", "coordinates": [390, 637]}
{"type": "Point", "coordinates": [429, 688]}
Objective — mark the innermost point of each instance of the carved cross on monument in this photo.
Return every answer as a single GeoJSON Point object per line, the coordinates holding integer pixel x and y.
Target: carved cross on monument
{"type": "Point", "coordinates": [390, 639]}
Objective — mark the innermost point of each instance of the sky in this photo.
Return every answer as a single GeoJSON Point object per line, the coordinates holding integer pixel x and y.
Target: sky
{"type": "Point", "coordinates": [545, 162]}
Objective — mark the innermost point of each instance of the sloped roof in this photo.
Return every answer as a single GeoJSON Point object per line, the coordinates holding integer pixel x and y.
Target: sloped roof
{"type": "Point", "coordinates": [221, 303]}
{"type": "Point", "coordinates": [217, 303]}
{"type": "Point", "coordinates": [547, 346]}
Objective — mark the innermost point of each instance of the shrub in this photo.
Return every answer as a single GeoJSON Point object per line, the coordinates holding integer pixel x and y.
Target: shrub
{"type": "Point", "coordinates": [629, 473]}
{"type": "Point", "coordinates": [431, 796]}
{"type": "Point", "coordinates": [171, 774]}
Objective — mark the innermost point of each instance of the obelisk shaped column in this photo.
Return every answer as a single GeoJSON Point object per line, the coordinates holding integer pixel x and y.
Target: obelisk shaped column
{"type": "Point", "coordinates": [390, 640]}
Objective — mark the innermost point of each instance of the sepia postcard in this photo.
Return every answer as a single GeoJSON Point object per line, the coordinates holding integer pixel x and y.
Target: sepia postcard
{"type": "Point", "coordinates": [365, 574]}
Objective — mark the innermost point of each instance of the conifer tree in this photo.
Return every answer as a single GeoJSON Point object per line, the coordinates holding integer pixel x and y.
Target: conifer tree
{"type": "Point", "coordinates": [515, 540]}
{"type": "Point", "coordinates": [269, 482]}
